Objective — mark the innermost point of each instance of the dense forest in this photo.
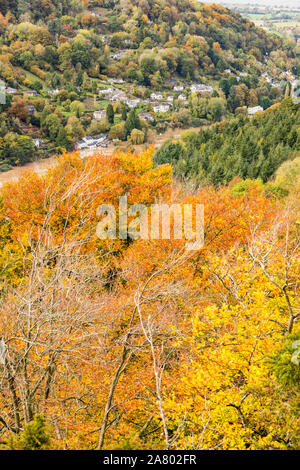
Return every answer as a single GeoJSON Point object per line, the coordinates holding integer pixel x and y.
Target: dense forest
{"type": "Point", "coordinates": [192, 38]}
{"type": "Point", "coordinates": [136, 343]}
{"type": "Point", "coordinates": [243, 147]}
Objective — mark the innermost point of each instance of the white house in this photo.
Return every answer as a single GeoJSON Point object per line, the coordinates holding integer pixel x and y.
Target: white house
{"type": "Point", "coordinates": [266, 77]}
{"type": "Point", "coordinates": [146, 116]}
{"type": "Point", "coordinates": [118, 55]}
{"type": "Point", "coordinates": [201, 88]}
{"type": "Point", "coordinates": [92, 142]}
{"type": "Point", "coordinates": [255, 109]}
{"type": "Point", "coordinates": [112, 94]}
{"type": "Point", "coordinates": [132, 103]}
{"type": "Point", "coordinates": [53, 92]}
{"type": "Point", "coordinates": [11, 91]}
{"type": "Point", "coordinates": [117, 95]}
{"type": "Point", "coordinates": [106, 91]}
{"type": "Point", "coordinates": [30, 92]}
{"type": "Point", "coordinates": [116, 80]}
{"type": "Point", "coordinates": [156, 96]}
{"type": "Point", "coordinates": [39, 143]}
{"type": "Point", "coordinates": [160, 107]}
{"type": "Point", "coordinates": [178, 88]}
{"type": "Point", "coordinates": [183, 99]}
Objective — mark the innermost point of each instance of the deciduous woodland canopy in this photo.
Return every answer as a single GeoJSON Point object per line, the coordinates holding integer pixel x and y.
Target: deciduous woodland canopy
{"type": "Point", "coordinates": [57, 58]}
{"type": "Point", "coordinates": [121, 344]}
{"type": "Point", "coordinates": [139, 344]}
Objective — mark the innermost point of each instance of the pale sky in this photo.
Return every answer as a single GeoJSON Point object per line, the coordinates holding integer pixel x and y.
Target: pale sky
{"type": "Point", "coordinates": [278, 3]}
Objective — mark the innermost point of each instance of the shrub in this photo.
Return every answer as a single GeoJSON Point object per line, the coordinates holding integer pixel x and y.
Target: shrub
{"type": "Point", "coordinates": [34, 437]}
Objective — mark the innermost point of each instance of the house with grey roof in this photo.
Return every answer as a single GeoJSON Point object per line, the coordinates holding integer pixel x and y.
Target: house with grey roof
{"type": "Point", "coordinates": [254, 109]}
{"type": "Point", "coordinates": [160, 107]}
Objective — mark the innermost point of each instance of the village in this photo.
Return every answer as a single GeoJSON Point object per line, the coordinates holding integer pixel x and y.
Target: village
{"type": "Point", "coordinates": [158, 110]}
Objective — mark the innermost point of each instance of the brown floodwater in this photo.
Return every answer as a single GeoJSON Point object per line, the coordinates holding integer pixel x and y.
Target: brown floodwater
{"type": "Point", "coordinates": [41, 166]}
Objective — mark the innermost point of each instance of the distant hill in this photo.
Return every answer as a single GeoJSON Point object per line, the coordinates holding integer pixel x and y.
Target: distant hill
{"type": "Point", "coordinates": [209, 38]}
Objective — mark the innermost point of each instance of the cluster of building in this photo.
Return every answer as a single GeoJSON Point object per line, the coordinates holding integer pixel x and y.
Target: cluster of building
{"type": "Point", "coordinates": [158, 102]}
{"type": "Point", "coordinates": [115, 95]}
{"type": "Point", "coordinates": [266, 77]}
{"type": "Point", "coordinates": [160, 107]}
{"type": "Point", "coordinates": [13, 91]}
{"type": "Point", "coordinates": [145, 116]}
{"type": "Point", "coordinates": [118, 55]}
{"type": "Point", "coordinates": [93, 142]}
{"type": "Point", "coordinates": [53, 92]}
{"type": "Point", "coordinates": [201, 88]}
{"type": "Point", "coordinates": [269, 80]}
{"type": "Point", "coordinates": [117, 81]}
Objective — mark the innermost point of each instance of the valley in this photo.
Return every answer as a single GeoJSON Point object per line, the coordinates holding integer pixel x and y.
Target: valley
{"type": "Point", "coordinates": [149, 231]}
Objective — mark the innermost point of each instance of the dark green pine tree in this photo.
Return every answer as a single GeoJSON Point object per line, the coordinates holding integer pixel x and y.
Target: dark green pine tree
{"type": "Point", "coordinates": [266, 169]}
{"type": "Point", "coordinates": [110, 115]}
{"type": "Point", "coordinates": [61, 139]}
{"type": "Point", "coordinates": [124, 113]}
{"type": "Point", "coordinates": [132, 122]}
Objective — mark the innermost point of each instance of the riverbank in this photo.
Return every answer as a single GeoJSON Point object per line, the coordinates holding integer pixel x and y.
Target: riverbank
{"type": "Point", "coordinates": [41, 166]}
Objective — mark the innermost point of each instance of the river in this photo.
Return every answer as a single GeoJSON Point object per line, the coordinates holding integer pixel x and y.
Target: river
{"type": "Point", "coordinates": [41, 166]}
